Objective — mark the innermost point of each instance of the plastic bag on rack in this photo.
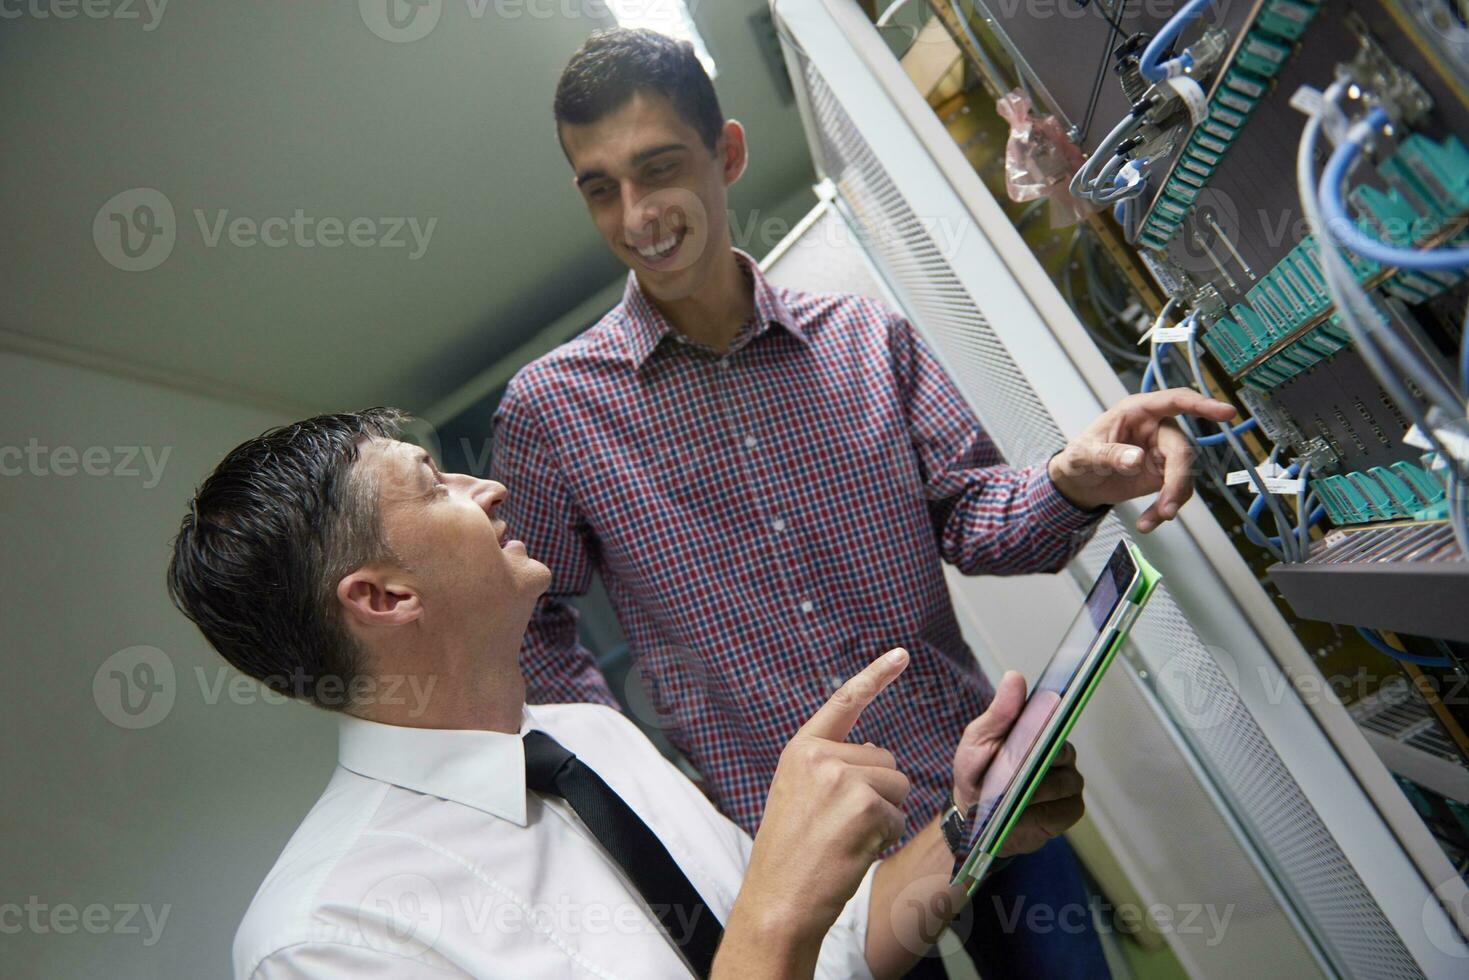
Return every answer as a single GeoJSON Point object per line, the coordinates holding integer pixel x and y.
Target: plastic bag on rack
{"type": "Point", "coordinates": [1040, 161]}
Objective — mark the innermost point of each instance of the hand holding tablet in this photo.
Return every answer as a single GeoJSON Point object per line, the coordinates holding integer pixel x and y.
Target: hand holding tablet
{"type": "Point", "coordinates": [1036, 743]}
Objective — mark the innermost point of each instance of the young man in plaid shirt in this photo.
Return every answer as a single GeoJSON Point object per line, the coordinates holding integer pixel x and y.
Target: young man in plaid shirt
{"type": "Point", "coordinates": [768, 482]}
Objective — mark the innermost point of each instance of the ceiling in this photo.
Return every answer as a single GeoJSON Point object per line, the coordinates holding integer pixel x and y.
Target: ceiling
{"type": "Point", "coordinates": [259, 111]}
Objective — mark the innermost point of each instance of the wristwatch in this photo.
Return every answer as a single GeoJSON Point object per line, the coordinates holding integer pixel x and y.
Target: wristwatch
{"type": "Point", "coordinates": [956, 831]}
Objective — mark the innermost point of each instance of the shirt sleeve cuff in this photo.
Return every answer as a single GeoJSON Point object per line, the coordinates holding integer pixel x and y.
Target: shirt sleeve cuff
{"type": "Point", "coordinates": [1053, 511]}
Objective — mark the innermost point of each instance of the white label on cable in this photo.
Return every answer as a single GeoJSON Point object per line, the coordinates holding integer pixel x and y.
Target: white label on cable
{"type": "Point", "coordinates": [1306, 99]}
{"type": "Point", "coordinates": [1334, 538]}
{"type": "Point", "coordinates": [1172, 335]}
{"type": "Point", "coordinates": [1266, 470]}
{"type": "Point", "coordinates": [1281, 484]}
{"type": "Point", "coordinates": [1192, 95]}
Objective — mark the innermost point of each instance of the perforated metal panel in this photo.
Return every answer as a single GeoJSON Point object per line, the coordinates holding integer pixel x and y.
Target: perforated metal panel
{"type": "Point", "coordinates": [1191, 683]}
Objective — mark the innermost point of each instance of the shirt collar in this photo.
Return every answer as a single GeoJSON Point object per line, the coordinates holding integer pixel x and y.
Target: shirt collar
{"type": "Point", "coordinates": [485, 770]}
{"type": "Point", "coordinates": [645, 326]}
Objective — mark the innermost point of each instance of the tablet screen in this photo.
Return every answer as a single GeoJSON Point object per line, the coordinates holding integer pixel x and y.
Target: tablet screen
{"type": "Point", "coordinates": [1054, 681]}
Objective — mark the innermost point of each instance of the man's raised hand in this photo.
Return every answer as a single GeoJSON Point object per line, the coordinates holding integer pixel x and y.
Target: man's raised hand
{"type": "Point", "coordinates": [833, 808]}
{"type": "Point", "coordinates": [1133, 449]}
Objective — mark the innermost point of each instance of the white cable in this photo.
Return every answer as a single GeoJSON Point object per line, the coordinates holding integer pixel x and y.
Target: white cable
{"type": "Point", "coordinates": [1080, 183]}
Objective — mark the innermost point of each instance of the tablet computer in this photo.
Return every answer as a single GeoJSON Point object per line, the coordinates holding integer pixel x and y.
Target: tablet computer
{"type": "Point", "coordinates": [1091, 642]}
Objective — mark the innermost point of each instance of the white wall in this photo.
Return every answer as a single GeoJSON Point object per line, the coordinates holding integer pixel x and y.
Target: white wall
{"type": "Point", "coordinates": [186, 815]}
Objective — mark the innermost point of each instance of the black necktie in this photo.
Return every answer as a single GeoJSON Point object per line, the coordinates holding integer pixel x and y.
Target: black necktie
{"type": "Point", "coordinates": [686, 920]}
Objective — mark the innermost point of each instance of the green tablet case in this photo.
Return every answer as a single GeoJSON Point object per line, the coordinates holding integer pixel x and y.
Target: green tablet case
{"type": "Point", "coordinates": [1147, 582]}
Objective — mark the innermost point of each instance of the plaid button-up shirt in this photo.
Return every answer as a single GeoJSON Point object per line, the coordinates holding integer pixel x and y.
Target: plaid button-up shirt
{"type": "Point", "coordinates": [767, 521]}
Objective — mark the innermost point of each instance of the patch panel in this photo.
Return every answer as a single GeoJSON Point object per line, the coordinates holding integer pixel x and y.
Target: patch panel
{"type": "Point", "coordinates": [1265, 47]}
{"type": "Point", "coordinates": [1382, 493]}
{"type": "Point", "coordinates": [1286, 298]}
{"type": "Point", "coordinates": [1284, 326]}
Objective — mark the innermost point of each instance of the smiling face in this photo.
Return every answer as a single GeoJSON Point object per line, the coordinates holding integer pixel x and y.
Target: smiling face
{"type": "Point", "coordinates": [656, 192]}
{"type": "Point", "coordinates": [452, 552]}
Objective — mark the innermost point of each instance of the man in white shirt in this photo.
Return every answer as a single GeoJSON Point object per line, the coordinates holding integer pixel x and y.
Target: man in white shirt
{"type": "Point", "coordinates": [466, 834]}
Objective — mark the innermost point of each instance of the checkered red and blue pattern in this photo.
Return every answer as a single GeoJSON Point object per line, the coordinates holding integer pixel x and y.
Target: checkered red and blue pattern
{"type": "Point", "coordinates": [767, 521]}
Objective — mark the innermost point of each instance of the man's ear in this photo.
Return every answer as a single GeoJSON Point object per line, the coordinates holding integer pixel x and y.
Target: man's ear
{"type": "Point", "coordinates": [733, 153]}
{"type": "Point", "coordinates": [379, 595]}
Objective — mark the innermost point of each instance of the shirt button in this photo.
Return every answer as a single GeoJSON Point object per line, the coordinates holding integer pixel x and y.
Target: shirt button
{"type": "Point", "coordinates": [807, 606]}
{"type": "Point", "coordinates": [750, 442]}
{"type": "Point", "coordinates": [779, 524]}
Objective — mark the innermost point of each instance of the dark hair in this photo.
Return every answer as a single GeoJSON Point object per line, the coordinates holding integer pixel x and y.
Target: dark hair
{"type": "Point", "coordinates": [613, 65]}
{"type": "Point", "coordinates": [267, 538]}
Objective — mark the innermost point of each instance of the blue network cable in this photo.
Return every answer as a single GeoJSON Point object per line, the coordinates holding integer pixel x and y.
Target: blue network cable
{"type": "Point", "coordinates": [1219, 438]}
{"type": "Point", "coordinates": [1257, 507]}
{"type": "Point", "coordinates": [1150, 381]}
{"type": "Point", "coordinates": [1148, 64]}
{"type": "Point", "coordinates": [1377, 643]}
{"type": "Point", "coordinates": [1345, 230]}
{"type": "Point", "coordinates": [1464, 356]}
{"type": "Point", "coordinates": [1122, 188]}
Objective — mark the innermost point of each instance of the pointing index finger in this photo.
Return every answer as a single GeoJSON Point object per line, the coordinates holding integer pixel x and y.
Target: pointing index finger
{"type": "Point", "coordinates": [834, 719]}
{"type": "Point", "coordinates": [1184, 401]}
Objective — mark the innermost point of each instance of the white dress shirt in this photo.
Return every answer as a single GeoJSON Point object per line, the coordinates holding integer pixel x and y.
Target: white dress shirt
{"type": "Point", "coordinates": [427, 857]}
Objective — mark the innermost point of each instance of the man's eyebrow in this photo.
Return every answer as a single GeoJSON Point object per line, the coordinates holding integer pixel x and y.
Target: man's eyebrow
{"type": "Point", "coordinates": [640, 158]}
{"type": "Point", "coordinates": [424, 459]}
